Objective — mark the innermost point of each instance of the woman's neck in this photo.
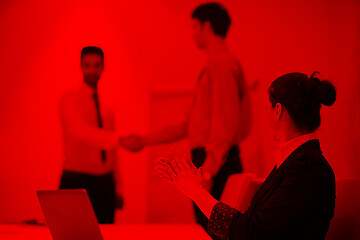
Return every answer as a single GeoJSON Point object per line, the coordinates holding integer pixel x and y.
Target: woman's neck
{"type": "Point", "coordinates": [291, 134]}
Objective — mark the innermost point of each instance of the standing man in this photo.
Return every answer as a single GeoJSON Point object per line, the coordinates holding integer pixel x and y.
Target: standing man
{"type": "Point", "coordinates": [220, 116]}
{"type": "Point", "coordinates": [90, 141]}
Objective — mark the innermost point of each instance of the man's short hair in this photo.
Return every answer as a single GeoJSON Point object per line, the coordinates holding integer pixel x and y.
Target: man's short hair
{"type": "Point", "coordinates": [92, 50]}
{"type": "Point", "coordinates": [216, 14]}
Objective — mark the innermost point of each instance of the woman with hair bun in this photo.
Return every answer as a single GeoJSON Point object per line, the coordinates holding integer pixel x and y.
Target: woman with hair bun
{"type": "Point", "coordinates": [297, 199]}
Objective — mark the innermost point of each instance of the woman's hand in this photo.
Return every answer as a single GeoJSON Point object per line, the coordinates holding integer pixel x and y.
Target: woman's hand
{"type": "Point", "coordinates": [180, 171]}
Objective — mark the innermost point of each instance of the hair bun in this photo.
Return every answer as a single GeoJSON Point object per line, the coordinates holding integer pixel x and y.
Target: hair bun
{"type": "Point", "coordinates": [325, 93]}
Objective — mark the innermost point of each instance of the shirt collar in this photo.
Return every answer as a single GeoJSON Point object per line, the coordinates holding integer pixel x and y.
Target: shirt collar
{"type": "Point", "coordinates": [219, 56]}
{"type": "Point", "coordinates": [290, 146]}
{"type": "Point", "coordinates": [86, 89]}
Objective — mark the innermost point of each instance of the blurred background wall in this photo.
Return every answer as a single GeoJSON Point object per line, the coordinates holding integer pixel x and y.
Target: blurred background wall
{"type": "Point", "coordinates": [151, 68]}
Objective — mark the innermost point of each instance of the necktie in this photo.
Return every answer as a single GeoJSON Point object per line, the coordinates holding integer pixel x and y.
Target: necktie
{"type": "Point", "coordinates": [97, 105]}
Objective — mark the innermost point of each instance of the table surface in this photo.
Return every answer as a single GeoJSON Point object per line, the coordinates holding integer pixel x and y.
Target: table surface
{"type": "Point", "coordinates": [115, 231]}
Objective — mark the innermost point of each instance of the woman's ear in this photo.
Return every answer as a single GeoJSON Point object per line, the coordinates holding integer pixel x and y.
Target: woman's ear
{"type": "Point", "coordinates": [278, 110]}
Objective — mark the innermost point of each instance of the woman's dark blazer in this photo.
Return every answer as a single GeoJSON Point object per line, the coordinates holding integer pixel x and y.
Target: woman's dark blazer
{"type": "Point", "coordinates": [296, 201]}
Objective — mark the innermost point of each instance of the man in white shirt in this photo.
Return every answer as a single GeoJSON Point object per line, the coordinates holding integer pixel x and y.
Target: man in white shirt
{"type": "Point", "coordinates": [90, 141]}
{"type": "Point", "coordinates": [220, 116]}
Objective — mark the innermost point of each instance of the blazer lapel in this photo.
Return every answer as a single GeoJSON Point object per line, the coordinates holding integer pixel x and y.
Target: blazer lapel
{"type": "Point", "coordinates": [276, 174]}
{"type": "Point", "coordinates": [273, 178]}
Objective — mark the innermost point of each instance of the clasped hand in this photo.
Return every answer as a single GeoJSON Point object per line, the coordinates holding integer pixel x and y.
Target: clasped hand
{"type": "Point", "coordinates": [133, 143]}
{"type": "Point", "coordinates": [180, 171]}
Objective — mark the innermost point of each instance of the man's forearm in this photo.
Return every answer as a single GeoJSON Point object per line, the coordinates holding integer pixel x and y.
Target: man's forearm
{"type": "Point", "coordinates": [168, 135]}
{"type": "Point", "coordinates": [97, 137]}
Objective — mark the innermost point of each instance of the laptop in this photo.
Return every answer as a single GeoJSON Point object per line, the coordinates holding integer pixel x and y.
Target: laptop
{"type": "Point", "coordinates": [69, 214]}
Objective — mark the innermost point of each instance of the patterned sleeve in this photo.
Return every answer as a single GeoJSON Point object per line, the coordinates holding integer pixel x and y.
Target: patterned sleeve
{"type": "Point", "coordinates": [220, 220]}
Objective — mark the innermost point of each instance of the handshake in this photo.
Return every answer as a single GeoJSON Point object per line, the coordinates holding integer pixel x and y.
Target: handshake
{"type": "Point", "coordinates": [133, 143]}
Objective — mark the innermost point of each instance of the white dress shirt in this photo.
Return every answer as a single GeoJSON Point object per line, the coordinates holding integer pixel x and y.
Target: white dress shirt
{"type": "Point", "coordinates": [290, 146]}
{"type": "Point", "coordinates": [83, 139]}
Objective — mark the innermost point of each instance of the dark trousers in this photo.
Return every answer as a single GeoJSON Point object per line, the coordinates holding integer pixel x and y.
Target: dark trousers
{"type": "Point", "coordinates": [101, 190]}
{"type": "Point", "coordinates": [231, 166]}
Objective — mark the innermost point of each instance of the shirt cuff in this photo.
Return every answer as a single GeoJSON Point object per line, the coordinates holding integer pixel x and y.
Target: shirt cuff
{"type": "Point", "coordinates": [216, 157]}
{"type": "Point", "coordinates": [220, 220]}
{"type": "Point", "coordinates": [212, 163]}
